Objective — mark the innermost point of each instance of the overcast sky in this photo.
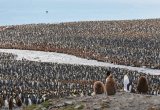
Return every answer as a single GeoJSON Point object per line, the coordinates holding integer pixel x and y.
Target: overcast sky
{"type": "Point", "coordinates": [33, 11]}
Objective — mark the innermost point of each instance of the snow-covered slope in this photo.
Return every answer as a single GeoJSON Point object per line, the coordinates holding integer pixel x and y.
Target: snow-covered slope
{"type": "Point", "coordinates": [69, 59]}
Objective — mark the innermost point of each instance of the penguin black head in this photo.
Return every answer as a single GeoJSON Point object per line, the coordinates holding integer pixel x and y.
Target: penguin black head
{"type": "Point", "coordinates": [108, 73]}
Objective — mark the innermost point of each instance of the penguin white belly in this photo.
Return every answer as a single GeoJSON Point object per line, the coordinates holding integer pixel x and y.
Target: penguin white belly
{"type": "Point", "coordinates": [125, 82]}
{"type": "Point", "coordinates": [130, 88]}
{"type": "Point", "coordinates": [6, 104]}
{"type": "Point", "coordinates": [30, 102]}
{"type": "Point", "coordinates": [14, 102]}
{"type": "Point", "coordinates": [106, 79]}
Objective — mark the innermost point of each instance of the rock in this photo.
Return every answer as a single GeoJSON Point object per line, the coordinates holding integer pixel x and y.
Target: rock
{"type": "Point", "coordinates": [51, 107]}
{"type": "Point", "coordinates": [70, 97]}
{"type": "Point", "coordinates": [39, 106]}
{"type": "Point", "coordinates": [131, 106]}
{"type": "Point", "coordinates": [156, 102]}
{"type": "Point", "coordinates": [93, 94]}
{"type": "Point", "coordinates": [148, 96]}
{"type": "Point", "coordinates": [152, 108]}
{"type": "Point", "coordinates": [60, 105]}
{"type": "Point", "coordinates": [105, 101]}
{"type": "Point", "coordinates": [43, 108]}
{"type": "Point", "coordinates": [97, 107]}
{"type": "Point", "coordinates": [68, 102]}
{"type": "Point", "coordinates": [116, 108]}
{"type": "Point", "coordinates": [79, 106]}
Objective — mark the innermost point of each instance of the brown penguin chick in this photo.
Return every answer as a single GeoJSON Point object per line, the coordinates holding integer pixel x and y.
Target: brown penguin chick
{"type": "Point", "coordinates": [11, 103]}
{"type": "Point", "coordinates": [110, 85]}
{"type": "Point", "coordinates": [18, 102]}
{"type": "Point", "coordinates": [142, 86]}
{"type": "Point", "coordinates": [1, 101]}
{"type": "Point", "coordinates": [98, 87]}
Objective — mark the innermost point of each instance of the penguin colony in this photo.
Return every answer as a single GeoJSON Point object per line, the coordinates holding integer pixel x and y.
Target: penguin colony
{"type": "Point", "coordinates": [132, 43]}
{"type": "Point", "coordinates": [27, 82]}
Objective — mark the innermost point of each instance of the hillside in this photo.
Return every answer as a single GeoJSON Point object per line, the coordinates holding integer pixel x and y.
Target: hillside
{"type": "Point", "coordinates": [122, 47]}
{"type": "Point", "coordinates": [120, 101]}
{"type": "Point", "coordinates": [127, 42]}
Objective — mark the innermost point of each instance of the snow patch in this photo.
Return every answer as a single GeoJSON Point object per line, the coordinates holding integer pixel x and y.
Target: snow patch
{"type": "Point", "coordinates": [54, 57]}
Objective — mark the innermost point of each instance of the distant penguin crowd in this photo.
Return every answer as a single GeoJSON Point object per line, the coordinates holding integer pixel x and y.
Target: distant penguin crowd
{"type": "Point", "coordinates": [11, 102]}
{"type": "Point", "coordinates": [23, 83]}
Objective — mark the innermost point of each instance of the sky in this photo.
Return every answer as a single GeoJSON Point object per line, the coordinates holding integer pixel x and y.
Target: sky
{"type": "Point", "coordinates": [34, 11]}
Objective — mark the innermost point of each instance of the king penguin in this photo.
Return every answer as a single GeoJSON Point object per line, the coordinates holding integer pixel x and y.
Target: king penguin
{"type": "Point", "coordinates": [127, 84]}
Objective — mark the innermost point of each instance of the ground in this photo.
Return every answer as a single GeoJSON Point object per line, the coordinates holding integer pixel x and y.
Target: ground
{"type": "Point", "coordinates": [120, 101]}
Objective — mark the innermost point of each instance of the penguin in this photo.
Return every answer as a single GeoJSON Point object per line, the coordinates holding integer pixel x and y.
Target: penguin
{"type": "Point", "coordinates": [82, 94]}
{"type": "Point", "coordinates": [110, 85]}
{"type": "Point", "coordinates": [39, 100]}
{"type": "Point", "coordinates": [18, 101]}
{"type": "Point", "coordinates": [6, 102]}
{"type": "Point", "coordinates": [129, 87]}
{"type": "Point", "coordinates": [155, 92]}
{"type": "Point", "coordinates": [126, 83]}
{"type": "Point", "coordinates": [11, 104]}
{"type": "Point", "coordinates": [98, 87]}
{"type": "Point", "coordinates": [89, 93]}
{"type": "Point", "coordinates": [44, 97]}
{"type": "Point", "coordinates": [22, 97]}
{"type": "Point", "coordinates": [142, 86]}
{"type": "Point", "coordinates": [1, 101]}
{"type": "Point", "coordinates": [34, 99]}
{"type": "Point", "coordinates": [14, 102]}
{"type": "Point", "coordinates": [26, 101]}
{"type": "Point", "coordinates": [29, 100]}
{"type": "Point", "coordinates": [158, 92]}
